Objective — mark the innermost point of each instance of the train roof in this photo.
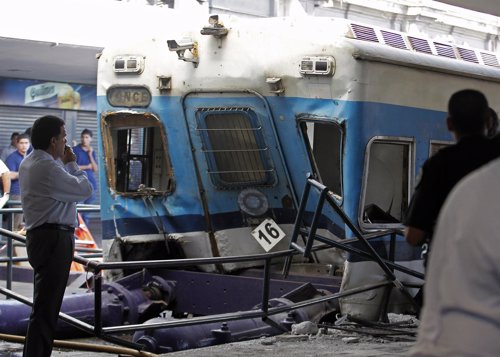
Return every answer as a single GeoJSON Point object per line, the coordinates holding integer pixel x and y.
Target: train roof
{"type": "Point", "coordinates": [382, 45]}
{"type": "Point", "coordinates": [268, 41]}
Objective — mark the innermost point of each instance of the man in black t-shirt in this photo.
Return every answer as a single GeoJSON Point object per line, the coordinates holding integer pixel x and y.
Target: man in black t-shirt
{"type": "Point", "coordinates": [468, 114]}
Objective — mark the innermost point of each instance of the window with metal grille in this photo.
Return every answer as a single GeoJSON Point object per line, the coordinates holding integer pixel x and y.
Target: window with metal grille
{"type": "Point", "coordinates": [387, 185]}
{"type": "Point", "coordinates": [324, 146]}
{"type": "Point", "coordinates": [136, 154]}
{"type": "Point", "coordinates": [235, 149]}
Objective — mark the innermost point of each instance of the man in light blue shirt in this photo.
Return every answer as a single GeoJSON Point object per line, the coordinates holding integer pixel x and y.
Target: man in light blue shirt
{"type": "Point", "coordinates": [51, 185]}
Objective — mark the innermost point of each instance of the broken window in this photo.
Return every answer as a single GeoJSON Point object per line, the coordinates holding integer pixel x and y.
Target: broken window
{"type": "Point", "coordinates": [436, 145]}
{"type": "Point", "coordinates": [136, 154]}
{"type": "Point", "coordinates": [387, 185]}
{"type": "Point", "coordinates": [324, 145]}
{"type": "Point", "coordinates": [234, 146]}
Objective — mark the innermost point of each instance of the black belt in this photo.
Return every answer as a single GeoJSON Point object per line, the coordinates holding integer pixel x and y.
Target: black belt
{"type": "Point", "coordinates": [55, 226]}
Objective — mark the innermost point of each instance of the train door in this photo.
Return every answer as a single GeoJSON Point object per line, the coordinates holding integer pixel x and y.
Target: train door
{"type": "Point", "coordinates": [241, 173]}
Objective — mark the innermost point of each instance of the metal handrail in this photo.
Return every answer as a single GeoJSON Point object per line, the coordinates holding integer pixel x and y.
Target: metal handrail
{"type": "Point", "coordinates": [80, 208]}
{"type": "Point", "coordinates": [10, 259]}
{"type": "Point", "coordinates": [243, 314]}
{"type": "Point", "coordinates": [264, 312]}
{"type": "Point", "coordinates": [98, 267]}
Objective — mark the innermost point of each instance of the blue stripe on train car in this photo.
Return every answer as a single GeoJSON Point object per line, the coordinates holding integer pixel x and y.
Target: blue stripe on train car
{"type": "Point", "coordinates": [183, 224]}
{"type": "Point", "coordinates": [363, 120]}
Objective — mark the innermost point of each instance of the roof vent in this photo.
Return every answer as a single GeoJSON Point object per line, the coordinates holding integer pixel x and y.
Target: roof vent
{"type": "Point", "coordinates": [445, 50]}
{"type": "Point", "coordinates": [489, 59]}
{"type": "Point", "coordinates": [364, 33]}
{"type": "Point", "coordinates": [467, 55]}
{"type": "Point", "coordinates": [394, 39]}
{"type": "Point", "coordinates": [420, 45]}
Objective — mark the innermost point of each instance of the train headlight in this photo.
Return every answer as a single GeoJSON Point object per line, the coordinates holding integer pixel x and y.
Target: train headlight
{"type": "Point", "coordinates": [128, 64]}
{"type": "Point", "coordinates": [317, 66]}
{"type": "Point", "coordinates": [253, 202]}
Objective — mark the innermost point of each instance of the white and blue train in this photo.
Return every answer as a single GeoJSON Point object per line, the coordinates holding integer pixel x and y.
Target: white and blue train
{"type": "Point", "coordinates": [208, 130]}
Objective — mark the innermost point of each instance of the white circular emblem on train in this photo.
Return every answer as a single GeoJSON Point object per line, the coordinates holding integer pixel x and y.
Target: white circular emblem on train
{"type": "Point", "coordinates": [253, 202]}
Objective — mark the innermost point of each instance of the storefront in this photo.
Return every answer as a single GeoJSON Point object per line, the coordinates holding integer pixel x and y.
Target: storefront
{"type": "Point", "coordinates": [23, 101]}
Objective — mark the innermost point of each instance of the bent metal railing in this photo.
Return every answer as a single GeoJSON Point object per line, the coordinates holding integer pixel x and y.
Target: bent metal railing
{"type": "Point", "coordinates": [309, 235]}
{"type": "Point", "coordinates": [264, 312]}
{"type": "Point", "coordinates": [11, 236]}
{"type": "Point", "coordinates": [105, 332]}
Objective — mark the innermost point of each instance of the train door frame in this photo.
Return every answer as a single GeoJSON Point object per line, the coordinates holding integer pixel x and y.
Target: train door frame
{"type": "Point", "coordinates": [408, 142]}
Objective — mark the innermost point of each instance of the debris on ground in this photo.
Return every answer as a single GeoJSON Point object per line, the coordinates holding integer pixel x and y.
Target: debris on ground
{"type": "Point", "coordinates": [305, 328]}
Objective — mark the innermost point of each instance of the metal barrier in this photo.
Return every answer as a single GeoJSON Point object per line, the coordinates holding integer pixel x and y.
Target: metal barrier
{"type": "Point", "coordinates": [310, 235]}
{"type": "Point", "coordinates": [10, 235]}
{"type": "Point", "coordinates": [265, 311]}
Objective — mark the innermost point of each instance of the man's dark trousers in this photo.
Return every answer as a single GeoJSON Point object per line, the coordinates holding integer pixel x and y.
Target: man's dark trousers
{"type": "Point", "coordinates": [50, 252]}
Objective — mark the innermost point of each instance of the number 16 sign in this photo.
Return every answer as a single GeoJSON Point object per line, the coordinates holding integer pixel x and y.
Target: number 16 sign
{"type": "Point", "coordinates": [268, 234]}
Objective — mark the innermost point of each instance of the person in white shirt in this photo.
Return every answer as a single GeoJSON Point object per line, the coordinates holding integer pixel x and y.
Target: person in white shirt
{"type": "Point", "coordinates": [5, 174]}
{"type": "Point", "coordinates": [51, 185]}
{"type": "Point", "coordinates": [461, 315]}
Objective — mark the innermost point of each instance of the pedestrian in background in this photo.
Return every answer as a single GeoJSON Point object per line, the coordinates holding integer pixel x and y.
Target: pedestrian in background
{"type": "Point", "coordinates": [5, 174]}
{"type": "Point", "coordinates": [51, 185]}
{"type": "Point", "coordinates": [13, 162]}
{"type": "Point", "coordinates": [10, 148]}
{"type": "Point", "coordinates": [87, 161]}
{"type": "Point", "coordinates": [468, 119]}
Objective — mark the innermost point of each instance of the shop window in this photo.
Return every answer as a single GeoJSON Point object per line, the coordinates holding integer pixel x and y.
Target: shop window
{"type": "Point", "coordinates": [136, 154]}
{"type": "Point", "coordinates": [234, 146]}
{"type": "Point", "coordinates": [324, 146]}
{"type": "Point", "coordinates": [387, 185]}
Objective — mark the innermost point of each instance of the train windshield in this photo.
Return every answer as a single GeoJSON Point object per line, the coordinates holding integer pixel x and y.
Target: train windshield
{"type": "Point", "coordinates": [136, 155]}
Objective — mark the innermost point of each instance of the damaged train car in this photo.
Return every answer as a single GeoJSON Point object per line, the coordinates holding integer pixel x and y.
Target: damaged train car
{"type": "Point", "coordinates": [207, 133]}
